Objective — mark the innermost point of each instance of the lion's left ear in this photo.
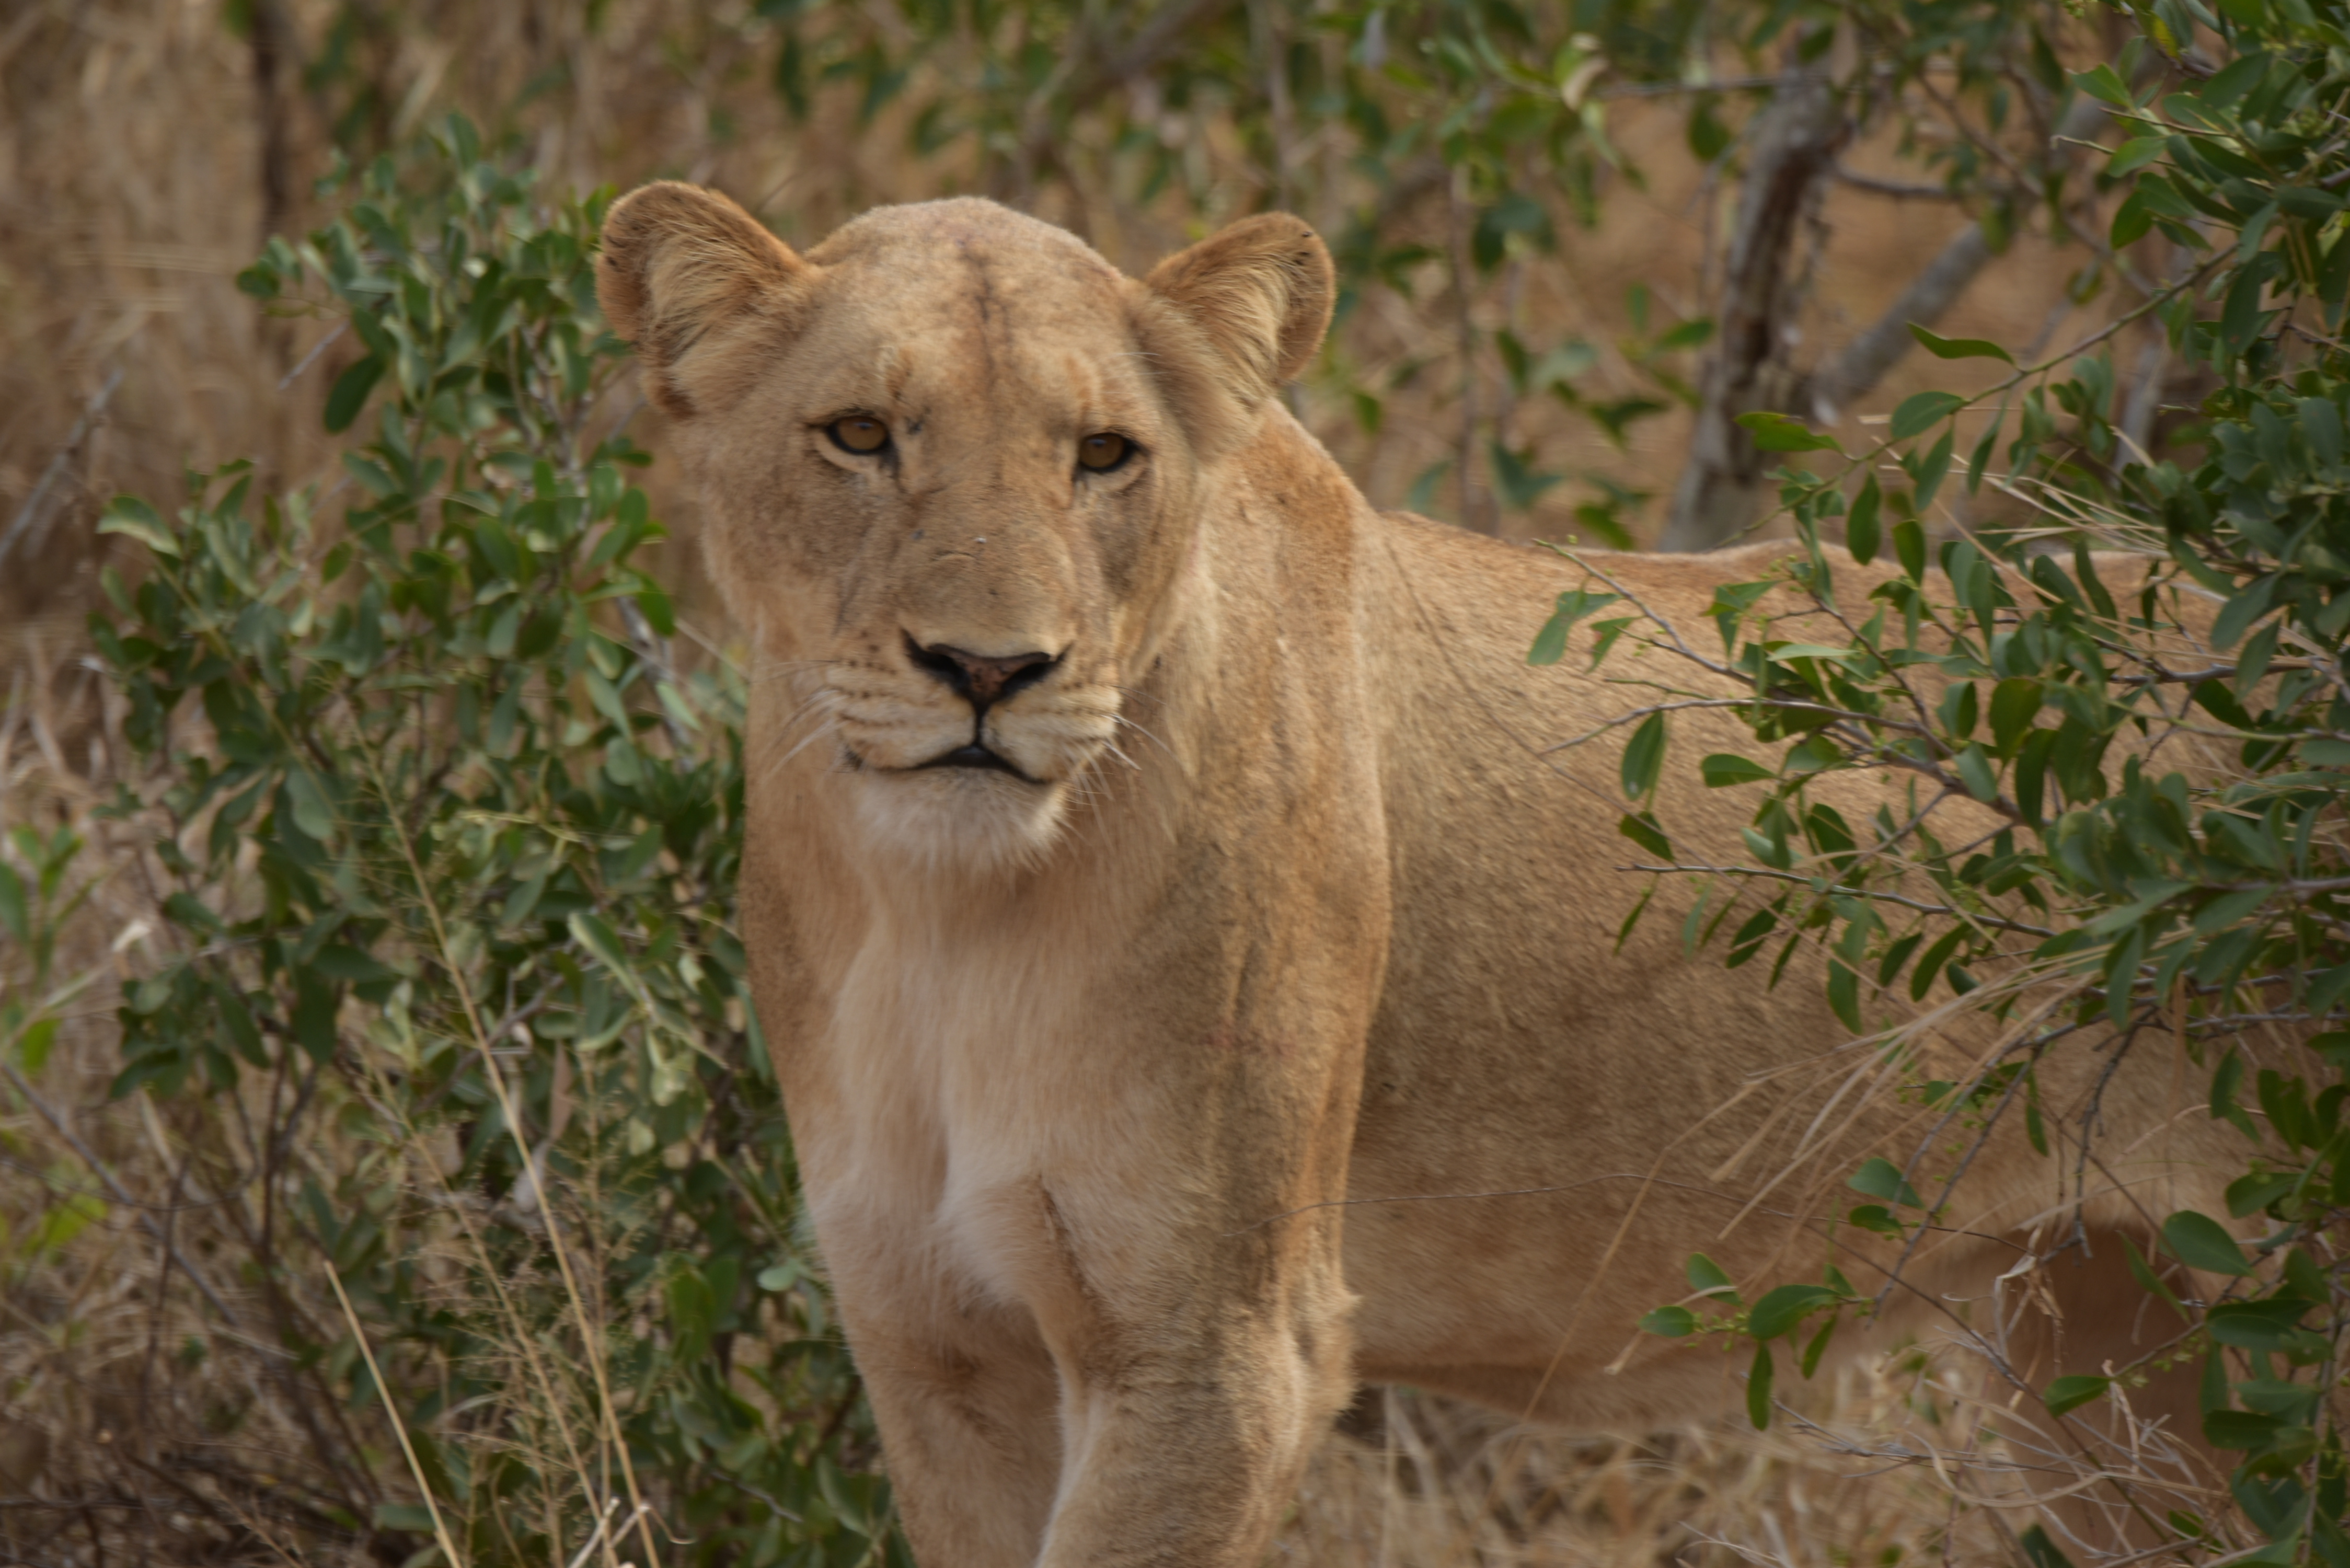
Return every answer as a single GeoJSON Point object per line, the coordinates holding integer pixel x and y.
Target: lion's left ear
{"type": "Point", "coordinates": [1261, 291]}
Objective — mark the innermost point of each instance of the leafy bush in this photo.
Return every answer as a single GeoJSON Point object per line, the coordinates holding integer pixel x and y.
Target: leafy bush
{"type": "Point", "coordinates": [451, 850]}
{"type": "Point", "coordinates": [2120, 890]}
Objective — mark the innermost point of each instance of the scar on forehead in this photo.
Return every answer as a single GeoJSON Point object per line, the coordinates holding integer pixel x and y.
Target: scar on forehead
{"type": "Point", "coordinates": [895, 366]}
{"type": "Point", "coordinates": [1084, 379]}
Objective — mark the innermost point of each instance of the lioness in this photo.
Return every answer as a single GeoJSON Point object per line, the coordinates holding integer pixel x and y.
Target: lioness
{"type": "Point", "coordinates": [1191, 985]}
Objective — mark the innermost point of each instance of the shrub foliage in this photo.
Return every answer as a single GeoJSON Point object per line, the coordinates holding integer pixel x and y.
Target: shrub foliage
{"type": "Point", "coordinates": [2128, 899]}
{"type": "Point", "coordinates": [452, 847]}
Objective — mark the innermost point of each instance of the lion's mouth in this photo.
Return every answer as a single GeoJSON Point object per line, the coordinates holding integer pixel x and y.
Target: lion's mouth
{"type": "Point", "coordinates": [973, 754]}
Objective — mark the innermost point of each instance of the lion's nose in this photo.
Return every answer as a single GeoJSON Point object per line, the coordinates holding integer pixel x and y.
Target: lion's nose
{"type": "Point", "coordinates": [984, 680]}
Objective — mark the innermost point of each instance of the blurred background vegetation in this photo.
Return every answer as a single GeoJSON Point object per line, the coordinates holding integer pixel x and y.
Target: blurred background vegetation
{"type": "Point", "coordinates": [387, 1165]}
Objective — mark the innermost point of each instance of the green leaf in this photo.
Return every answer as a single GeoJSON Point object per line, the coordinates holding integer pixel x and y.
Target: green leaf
{"type": "Point", "coordinates": [2069, 1393]}
{"type": "Point", "coordinates": [1605, 632]}
{"type": "Point", "coordinates": [130, 515]}
{"type": "Point", "coordinates": [32, 1045]}
{"type": "Point", "coordinates": [1783, 433]}
{"type": "Point", "coordinates": [1644, 757]}
{"type": "Point", "coordinates": [1784, 1307]}
{"type": "Point", "coordinates": [1909, 546]}
{"type": "Point", "coordinates": [312, 813]}
{"type": "Point", "coordinates": [1921, 411]}
{"type": "Point", "coordinates": [1758, 1388]}
{"type": "Point", "coordinates": [2198, 1241]}
{"type": "Point", "coordinates": [693, 1313]}
{"type": "Point", "coordinates": [1670, 1321]}
{"type": "Point", "coordinates": [1723, 768]}
{"type": "Point", "coordinates": [1632, 922]}
{"type": "Point", "coordinates": [1514, 477]}
{"type": "Point", "coordinates": [2039, 1551]}
{"type": "Point", "coordinates": [1550, 643]}
{"type": "Point", "coordinates": [2255, 1191]}
{"type": "Point", "coordinates": [1880, 1178]}
{"type": "Point", "coordinates": [1975, 773]}
{"type": "Point", "coordinates": [2135, 154]}
{"type": "Point", "coordinates": [659, 611]}
{"type": "Point", "coordinates": [599, 938]}
{"type": "Point", "coordinates": [315, 1006]}
{"type": "Point", "coordinates": [1705, 1275]}
{"type": "Point", "coordinates": [2014, 704]}
{"type": "Point", "coordinates": [186, 910]}
{"type": "Point", "coordinates": [336, 960]}
{"type": "Point", "coordinates": [1422, 495]}
{"type": "Point", "coordinates": [1641, 828]}
{"type": "Point", "coordinates": [12, 913]}
{"type": "Point", "coordinates": [1931, 469]}
{"type": "Point", "coordinates": [1819, 1344]}
{"type": "Point", "coordinates": [606, 697]}
{"type": "Point", "coordinates": [1843, 995]}
{"type": "Point", "coordinates": [2104, 84]}
{"type": "Point", "coordinates": [412, 1517]}
{"type": "Point", "coordinates": [1960, 348]}
{"type": "Point", "coordinates": [2143, 1273]}
{"type": "Point", "coordinates": [350, 394]}
{"type": "Point", "coordinates": [1860, 528]}
{"type": "Point", "coordinates": [2240, 1429]}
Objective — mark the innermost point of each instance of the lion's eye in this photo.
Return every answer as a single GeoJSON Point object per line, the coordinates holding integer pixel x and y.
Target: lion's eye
{"type": "Point", "coordinates": [1103, 451]}
{"type": "Point", "coordinates": [860, 433]}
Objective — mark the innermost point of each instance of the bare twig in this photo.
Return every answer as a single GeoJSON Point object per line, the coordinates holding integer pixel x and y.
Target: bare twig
{"type": "Point", "coordinates": [64, 1129]}
{"type": "Point", "coordinates": [32, 511]}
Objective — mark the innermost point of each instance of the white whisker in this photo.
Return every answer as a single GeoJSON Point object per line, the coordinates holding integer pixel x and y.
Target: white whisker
{"type": "Point", "coordinates": [1145, 734]}
{"type": "Point", "coordinates": [782, 732]}
{"type": "Point", "coordinates": [830, 726]}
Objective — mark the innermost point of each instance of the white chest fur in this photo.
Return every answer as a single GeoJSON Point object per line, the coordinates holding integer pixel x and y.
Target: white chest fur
{"type": "Point", "coordinates": [967, 1089]}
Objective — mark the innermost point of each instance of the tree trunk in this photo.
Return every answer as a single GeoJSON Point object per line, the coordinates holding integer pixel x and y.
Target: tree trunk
{"type": "Point", "coordinates": [268, 42]}
{"type": "Point", "coordinates": [1722, 489]}
{"type": "Point", "coordinates": [1795, 143]}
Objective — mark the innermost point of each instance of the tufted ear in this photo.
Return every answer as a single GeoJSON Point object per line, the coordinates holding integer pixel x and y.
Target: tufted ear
{"type": "Point", "coordinates": [700, 288]}
{"type": "Point", "coordinates": [1261, 291]}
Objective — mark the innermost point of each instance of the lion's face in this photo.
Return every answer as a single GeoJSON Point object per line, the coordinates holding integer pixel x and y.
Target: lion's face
{"type": "Point", "coordinates": [954, 463]}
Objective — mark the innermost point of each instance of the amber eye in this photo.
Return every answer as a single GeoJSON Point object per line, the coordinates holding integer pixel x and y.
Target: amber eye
{"type": "Point", "coordinates": [1103, 451]}
{"type": "Point", "coordinates": [860, 433]}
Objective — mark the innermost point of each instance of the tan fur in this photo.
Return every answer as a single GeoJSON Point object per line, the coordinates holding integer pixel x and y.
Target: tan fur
{"type": "Point", "coordinates": [1143, 1100]}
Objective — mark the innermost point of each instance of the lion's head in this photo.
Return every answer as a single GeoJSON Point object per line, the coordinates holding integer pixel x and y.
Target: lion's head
{"type": "Point", "coordinates": [955, 464]}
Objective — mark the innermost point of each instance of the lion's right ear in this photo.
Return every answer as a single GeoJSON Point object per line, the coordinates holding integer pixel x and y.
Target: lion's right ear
{"type": "Point", "coordinates": [701, 290]}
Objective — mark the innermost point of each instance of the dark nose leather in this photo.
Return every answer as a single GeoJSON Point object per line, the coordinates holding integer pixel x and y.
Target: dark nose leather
{"type": "Point", "coordinates": [984, 680]}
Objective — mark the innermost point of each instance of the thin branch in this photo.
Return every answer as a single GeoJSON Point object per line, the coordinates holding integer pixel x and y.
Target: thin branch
{"type": "Point", "coordinates": [1899, 190]}
{"type": "Point", "coordinates": [99, 1168]}
{"type": "Point", "coordinates": [2020, 928]}
{"type": "Point", "coordinates": [31, 509]}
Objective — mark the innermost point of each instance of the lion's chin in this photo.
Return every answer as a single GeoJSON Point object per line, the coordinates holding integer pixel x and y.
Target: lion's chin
{"type": "Point", "coordinates": [958, 819]}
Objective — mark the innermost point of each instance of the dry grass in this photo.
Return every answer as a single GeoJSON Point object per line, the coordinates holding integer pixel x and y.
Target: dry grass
{"type": "Point", "coordinates": [131, 150]}
{"type": "Point", "coordinates": [1434, 1485]}
{"type": "Point", "coordinates": [121, 1430]}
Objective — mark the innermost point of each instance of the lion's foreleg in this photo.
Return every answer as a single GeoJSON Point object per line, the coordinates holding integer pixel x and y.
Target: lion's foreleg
{"type": "Point", "coordinates": [1189, 1455]}
{"type": "Point", "coordinates": [968, 1419]}
{"type": "Point", "coordinates": [1202, 1338]}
